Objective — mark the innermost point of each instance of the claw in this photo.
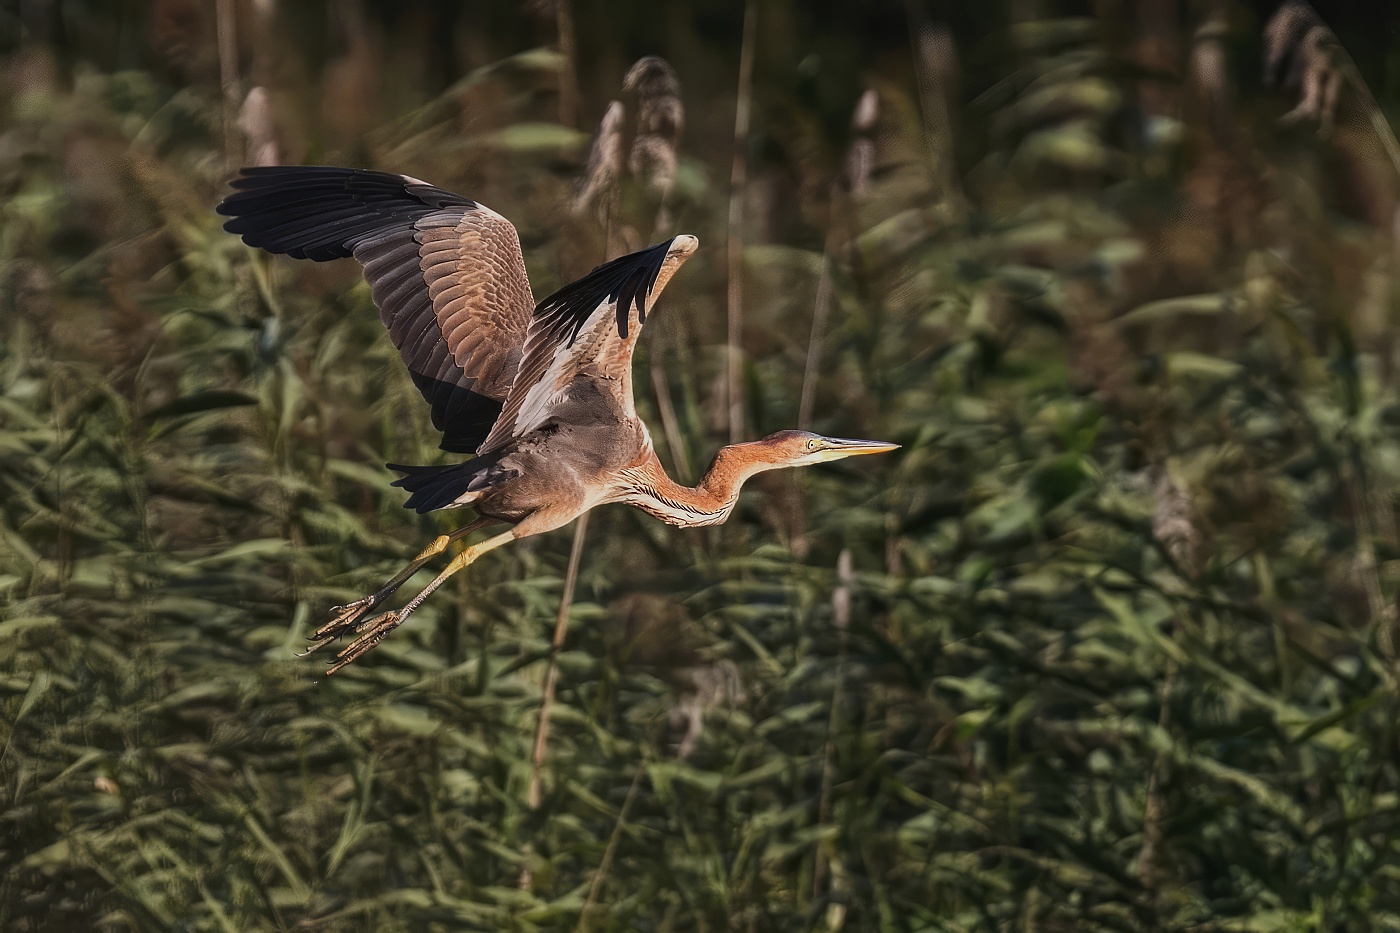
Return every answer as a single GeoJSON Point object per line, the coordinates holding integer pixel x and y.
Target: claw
{"type": "Point", "coordinates": [343, 619]}
{"type": "Point", "coordinates": [372, 632]}
{"type": "Point", "coordinates": [318, 642]}
{"type": "Point", "coordinates": [347, 615]}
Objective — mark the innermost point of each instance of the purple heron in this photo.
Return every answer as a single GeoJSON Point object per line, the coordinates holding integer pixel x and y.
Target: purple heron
{"type": "Point", "coordinates": [540, 393]}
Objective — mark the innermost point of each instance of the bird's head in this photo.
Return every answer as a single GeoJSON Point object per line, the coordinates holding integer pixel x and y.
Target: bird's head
{"type": "Point", "coordinates": [803, 448]}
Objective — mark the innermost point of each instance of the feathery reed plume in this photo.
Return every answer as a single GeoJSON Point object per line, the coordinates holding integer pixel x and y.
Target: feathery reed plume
{"type": "Point", "coordinates": [255, 120]}
{"type": "Point", "coordinates": [860, 158]}
{"type": "Point", "coordinates": [1283, 36]}
{"type": "Point", "coordinates": [734, 248]}
{"type": "Point", "coordinates": [1297, 36]}
{"type": "Point", "coordinates": [1207, 75]}
{"type": "Point", "coordinates": [660, 120]}
{"type": "Point", "coordinates": [659, 117]}
{"type": "Point", "coordinates": [1320, 67]}
{"type": "Point", "coordinates": [652, 161]}
{"type": "Point", "coordinates": [603, 174]}
{"type": "Point", "coordinates": [936, 67]}
{"type": "Point", "coordinates": [712, 686]}
{"type": "Point", "coordinates": [1175, 523]}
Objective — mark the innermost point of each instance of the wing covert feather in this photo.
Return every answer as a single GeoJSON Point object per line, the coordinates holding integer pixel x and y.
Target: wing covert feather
{"type": "Point", "coordinates": [446, 273]}
{"type": "Point", "coordinates": [587, 331]}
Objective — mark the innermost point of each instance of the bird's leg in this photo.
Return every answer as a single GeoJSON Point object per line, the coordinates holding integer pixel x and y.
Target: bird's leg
{"type": "Point", "coordinates": [344, 618]}
{"type": "Point", "coordinates": [373, 629]}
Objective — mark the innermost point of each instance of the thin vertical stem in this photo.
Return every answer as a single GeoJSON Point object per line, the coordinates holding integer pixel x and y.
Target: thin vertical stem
{"type": "Point", "coordinates": [667, 410]}
{"type": "Point", "coordinates": [534, 794]}
{"type": "Point", "coordinates": [1154, 809]}
{"type": "Point", "coordinates": [568, 76]}
{"type": "Point", "coordinates": [841, 618]}
{"type": "Point", "coordinates": [738, 177]}
{"type": "Point", "coordinates": [935, 60]}
{"type": "Point", "coordinates": [814, 343]}
{"type": "Point", "coordinates": [226, 26]}
{"type": "Point", "coordinates": [599, 876]}
{"type": "Point", "coordinates": [551, 677]}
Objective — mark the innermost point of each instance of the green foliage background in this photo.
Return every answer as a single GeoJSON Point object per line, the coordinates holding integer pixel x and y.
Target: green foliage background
{"type": "Point", "coordinates": [1113, 641]}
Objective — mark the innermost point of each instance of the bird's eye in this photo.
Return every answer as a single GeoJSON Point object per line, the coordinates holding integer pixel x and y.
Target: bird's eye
{"type": "Point", "coordinates": [811, 443]}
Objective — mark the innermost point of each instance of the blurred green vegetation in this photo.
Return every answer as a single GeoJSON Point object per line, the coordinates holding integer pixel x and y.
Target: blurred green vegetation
{"type": "Point", "coordinates": [1109, 645]}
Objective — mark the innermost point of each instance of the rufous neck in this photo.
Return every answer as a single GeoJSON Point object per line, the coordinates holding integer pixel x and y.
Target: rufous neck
{"type": "Point", "coordinates": [709, 502]}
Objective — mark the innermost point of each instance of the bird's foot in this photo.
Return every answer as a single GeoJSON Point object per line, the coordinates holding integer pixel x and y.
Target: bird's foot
{"type": "Point", "coordinates": [371, 632]}
{"type": "Point", "coordinates": [343, 619]}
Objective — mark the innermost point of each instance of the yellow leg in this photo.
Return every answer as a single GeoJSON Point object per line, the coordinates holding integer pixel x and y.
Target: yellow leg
{"type": "Point", "coordinates": [346, 617]}
{"type": "Point", "coordinates": [373, 630]}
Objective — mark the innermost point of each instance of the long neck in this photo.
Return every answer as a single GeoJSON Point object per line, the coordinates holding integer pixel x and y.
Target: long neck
{"type": "Point", "coordinates": [707, 503]}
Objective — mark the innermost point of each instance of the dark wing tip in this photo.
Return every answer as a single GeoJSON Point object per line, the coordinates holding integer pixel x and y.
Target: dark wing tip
{"type": "Point", "coordinates": [323, 212]}
{"type": "Point", "coordinates": [627, 280]}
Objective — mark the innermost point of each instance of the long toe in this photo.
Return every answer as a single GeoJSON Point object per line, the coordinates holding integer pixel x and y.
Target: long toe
{"type": "Point", "coordinates": [343, 619]}
{"type": "Point", "coordinates": [372, 632]}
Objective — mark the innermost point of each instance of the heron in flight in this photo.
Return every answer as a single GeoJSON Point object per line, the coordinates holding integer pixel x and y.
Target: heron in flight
{"type": "Point", "coordinates": [541, 394]}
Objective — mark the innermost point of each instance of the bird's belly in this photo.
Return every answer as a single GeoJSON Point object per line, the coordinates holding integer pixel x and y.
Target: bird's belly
{"type": "Point", "coordinates": [553, 491]}
{"type": "Point", "coordinates": [502, 508]}
{"type": "Point", "coordinates": [562, 469]}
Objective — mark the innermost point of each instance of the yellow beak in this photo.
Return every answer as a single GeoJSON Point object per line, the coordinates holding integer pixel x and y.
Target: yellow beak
{"type": "Point", "coordinates": [836, 448]}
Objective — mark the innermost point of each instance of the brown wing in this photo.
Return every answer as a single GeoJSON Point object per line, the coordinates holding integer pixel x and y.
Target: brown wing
{"type": "Point", "coordinates": [580, 340]}
{"type": "Point", "coordinates": [446, 273]}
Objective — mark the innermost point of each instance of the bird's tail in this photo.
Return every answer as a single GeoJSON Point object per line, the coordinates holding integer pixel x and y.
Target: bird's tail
{"type": "Point", "coordinates": [452, 485]}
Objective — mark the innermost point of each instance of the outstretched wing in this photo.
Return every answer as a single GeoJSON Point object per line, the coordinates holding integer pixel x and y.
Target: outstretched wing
{"type": "Point", "coordinates": [446, 273]}
{"type": "Point", "coordinates": [580, 341]}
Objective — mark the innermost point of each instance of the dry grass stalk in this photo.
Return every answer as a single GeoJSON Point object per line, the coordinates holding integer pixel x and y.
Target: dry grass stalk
{"type": "Point", "coordinates": [587, 912]}
{"type": "Point", "coordinates": [653, 157]}
{"type": "Point", "coordinates": [820, 313]}
{"type": "Point", "coordinates": [841, 618]}
{"type": "Point", "coordinates": [226, 26]}
{"type": "Point", "coordinates": [666, 411]}
{"type": "Point", "coordinates": [860, 162]}
{"type": "Point", "coordinates": [1149, 868]}
{"type": "Point", "coordinates": [568, 70]}
{"type": "Point", "coordinates": [534, 794]}
{"type": "Point", "coordinates": [734, 248]}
